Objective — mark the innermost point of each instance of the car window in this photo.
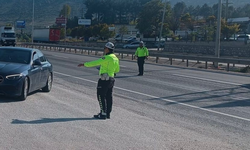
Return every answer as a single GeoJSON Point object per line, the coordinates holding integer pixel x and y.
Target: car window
{"type": "Point", "coordinates": [41, 56]}
{"type": "Point", "coordinates": [15, 56]}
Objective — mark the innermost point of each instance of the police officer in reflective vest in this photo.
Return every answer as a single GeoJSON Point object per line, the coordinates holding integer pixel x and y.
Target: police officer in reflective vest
{"type": "Point", "coordinates": [109, 66]}
{"type": "Point", "coordinates": [142, 54]}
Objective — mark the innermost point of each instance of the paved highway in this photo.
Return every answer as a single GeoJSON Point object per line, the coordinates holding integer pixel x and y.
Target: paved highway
{"type": "Point", "coordinates": [169, 108]}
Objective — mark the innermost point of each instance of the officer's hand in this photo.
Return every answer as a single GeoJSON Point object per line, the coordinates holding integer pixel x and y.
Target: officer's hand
{"type": "Point", "coordinates": [80, 65]}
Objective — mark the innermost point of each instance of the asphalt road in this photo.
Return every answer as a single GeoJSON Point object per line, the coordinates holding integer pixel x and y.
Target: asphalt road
{"type": "Point", "coordinates": [169, 108]}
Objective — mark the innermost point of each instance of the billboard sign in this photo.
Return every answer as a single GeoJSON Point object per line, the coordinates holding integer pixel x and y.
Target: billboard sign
{"type": "Point", "coordinates": [84, 22]}
{"type": "Point", "coordinates": [20, 24]}
{"type": "Point", "coordinates": [54, 35]}
{"type": "Point", "coordinates": [61, 20]}
{"type": "Point", "coordinates": [111, 28]}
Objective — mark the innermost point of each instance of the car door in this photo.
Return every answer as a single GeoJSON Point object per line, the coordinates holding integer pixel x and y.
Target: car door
{"type": "Point", "coordinates": [45, 71]}
{"type": "Point", "coordinates": [35, 73]}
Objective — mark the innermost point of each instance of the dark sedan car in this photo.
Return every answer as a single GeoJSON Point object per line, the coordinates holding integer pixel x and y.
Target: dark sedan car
{"type": "Point", "coordinates": [24, 70]}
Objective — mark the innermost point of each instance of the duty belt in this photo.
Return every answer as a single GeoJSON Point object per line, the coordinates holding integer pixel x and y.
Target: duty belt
{"type": "Point", "coordinates": [104, 76]}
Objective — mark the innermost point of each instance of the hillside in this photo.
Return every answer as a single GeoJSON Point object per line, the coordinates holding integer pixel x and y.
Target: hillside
{"type": "Point", "coordinates": [45, 10]}
{"type": "Point", "coordinates": [211, 2]}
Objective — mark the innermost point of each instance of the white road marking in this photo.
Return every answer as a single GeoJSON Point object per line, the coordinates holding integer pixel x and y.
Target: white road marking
{"type": "Point", "coordinates": [122, 66]}
{"type": "Point", "coordinates": [167, 100]}
{"type": "Point", "coordinates": [211, 80]}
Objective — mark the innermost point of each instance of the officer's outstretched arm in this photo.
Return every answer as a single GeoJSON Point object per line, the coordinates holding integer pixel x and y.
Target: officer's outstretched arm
{"type": "Point", "coordinates": [95, 63]}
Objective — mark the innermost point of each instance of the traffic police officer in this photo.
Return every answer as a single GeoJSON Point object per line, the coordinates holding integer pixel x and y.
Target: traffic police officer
{"type": "Point", "coordinates": [109, 66]}
{"type": "Point", "coordinates": [142, 54]}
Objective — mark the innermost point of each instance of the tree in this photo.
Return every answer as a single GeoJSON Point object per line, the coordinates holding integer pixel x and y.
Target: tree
{"type": "Point", "coordinates": [150, 18]}
{"type": "Point", "coordinates": [206, 11]}
{"type": "Point", "coordinates": [123, 30]}
{"type": "Point", "coordinates": [174, 20]}
{"type": "Point", "coordinates": [72, 22]}
{"type": "Point", "coordinates": [179, 9]}
{"type": "Point", "coordinates": [228, 30]}
{"type": "Point", "coordinates": [66, 10]}
{"type": "Point", "coordinates": [188, 21]}
{"type": "Point", "coordinates": [196, 12]}
{"type": "Point", "coordinates": [105, 33]}
{"type": "Point", "coordinates": [113, 11]}
{"type": "Point", "coordinates": [211, 20]}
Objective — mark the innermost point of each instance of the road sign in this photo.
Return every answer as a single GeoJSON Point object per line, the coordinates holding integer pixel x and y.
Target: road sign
{"type": "Point", "coordinates": [84, 21]}
{"type": "Point", "coordinates": [20, 24]}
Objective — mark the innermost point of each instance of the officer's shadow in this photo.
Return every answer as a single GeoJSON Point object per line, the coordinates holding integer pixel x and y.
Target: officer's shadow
{"type": "Point", "coordinates": [49, 120]}
{"type": "Point", "coordinates": [126, 76]}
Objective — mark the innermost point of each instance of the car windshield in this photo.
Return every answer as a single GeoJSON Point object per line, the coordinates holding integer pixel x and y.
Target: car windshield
{"type": "Point", "coordinates": [9, 35]}
{"type": "Point", "coordinates": [15, 56]}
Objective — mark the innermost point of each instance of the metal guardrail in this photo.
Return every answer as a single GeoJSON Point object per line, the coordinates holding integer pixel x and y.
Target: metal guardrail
{"type": "Point", "coordinates": [121, 52]}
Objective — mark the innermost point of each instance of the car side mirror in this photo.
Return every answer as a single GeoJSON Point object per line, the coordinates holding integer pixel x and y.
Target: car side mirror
{"type": "Point", "coordinates": [37, 63]}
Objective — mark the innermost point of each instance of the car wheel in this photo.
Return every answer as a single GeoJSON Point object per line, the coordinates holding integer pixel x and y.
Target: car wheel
{"type": "Point", "coordinates": [48, 86]}
{"type": "Point", "coordinates": [25, 89]}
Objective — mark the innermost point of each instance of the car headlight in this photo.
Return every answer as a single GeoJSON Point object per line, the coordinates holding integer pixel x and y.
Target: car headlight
{"type": "Point", "coordinates": [14, 76]}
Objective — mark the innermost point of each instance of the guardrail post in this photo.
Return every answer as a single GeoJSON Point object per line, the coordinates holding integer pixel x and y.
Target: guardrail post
{"type": "Point", "coordinates": [228, 65]}
{"type": "Point", "coordinates": [88, 52]}
{"type": "Point", "coordinates": [206, 65]}
{"type": "Point", "coordinates": [187, 62]}
{"type": "Point", "coordinates": [122, 55]}
{"type": "Point", "coordinates": [171, 61]}
{"type": "Point", "coordinates": [157, 59]}
{"type": "Point", "coordinates": [132, 56]}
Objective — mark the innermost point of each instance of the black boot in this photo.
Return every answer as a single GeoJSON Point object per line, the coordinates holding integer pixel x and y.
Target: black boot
{"type": "Point", "coordinates": [108, 116]}
{"type": "Point", "coordinates": [100, 116]}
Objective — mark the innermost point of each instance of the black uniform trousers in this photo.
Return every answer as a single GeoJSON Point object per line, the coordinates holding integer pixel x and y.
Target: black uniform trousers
{"type": "Point", "coordinates": [140, 62]}
{"type": "Point", "coordinates": [104, 95]}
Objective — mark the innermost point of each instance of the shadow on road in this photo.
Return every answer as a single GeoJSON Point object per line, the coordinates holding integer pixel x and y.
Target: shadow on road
{"type": "Point", "coordinates": [49, 120]}
{"type": "Point", "coordinates": [9, 99]}
{"type": "Point", "coordinates": [4, 99]}
{"type": "Point", "coordinates": [126, 76]}
{"type": "Point", "coordinates": [227, 97]}
{"type": "Point", "coordinates": [246, 86]}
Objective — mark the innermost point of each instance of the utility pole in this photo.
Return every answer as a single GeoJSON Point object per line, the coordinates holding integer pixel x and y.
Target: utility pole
{"type": "Point", "coordinates": [226, 9]}
{"type": "Point", "coordinates": [162, 22]}
{"type": "Point", "coordinates": [65, 23]}
{"type": "Point", "coordinates": [33, 18]}
{"type": "Point", "coordinates": [217, 43]}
